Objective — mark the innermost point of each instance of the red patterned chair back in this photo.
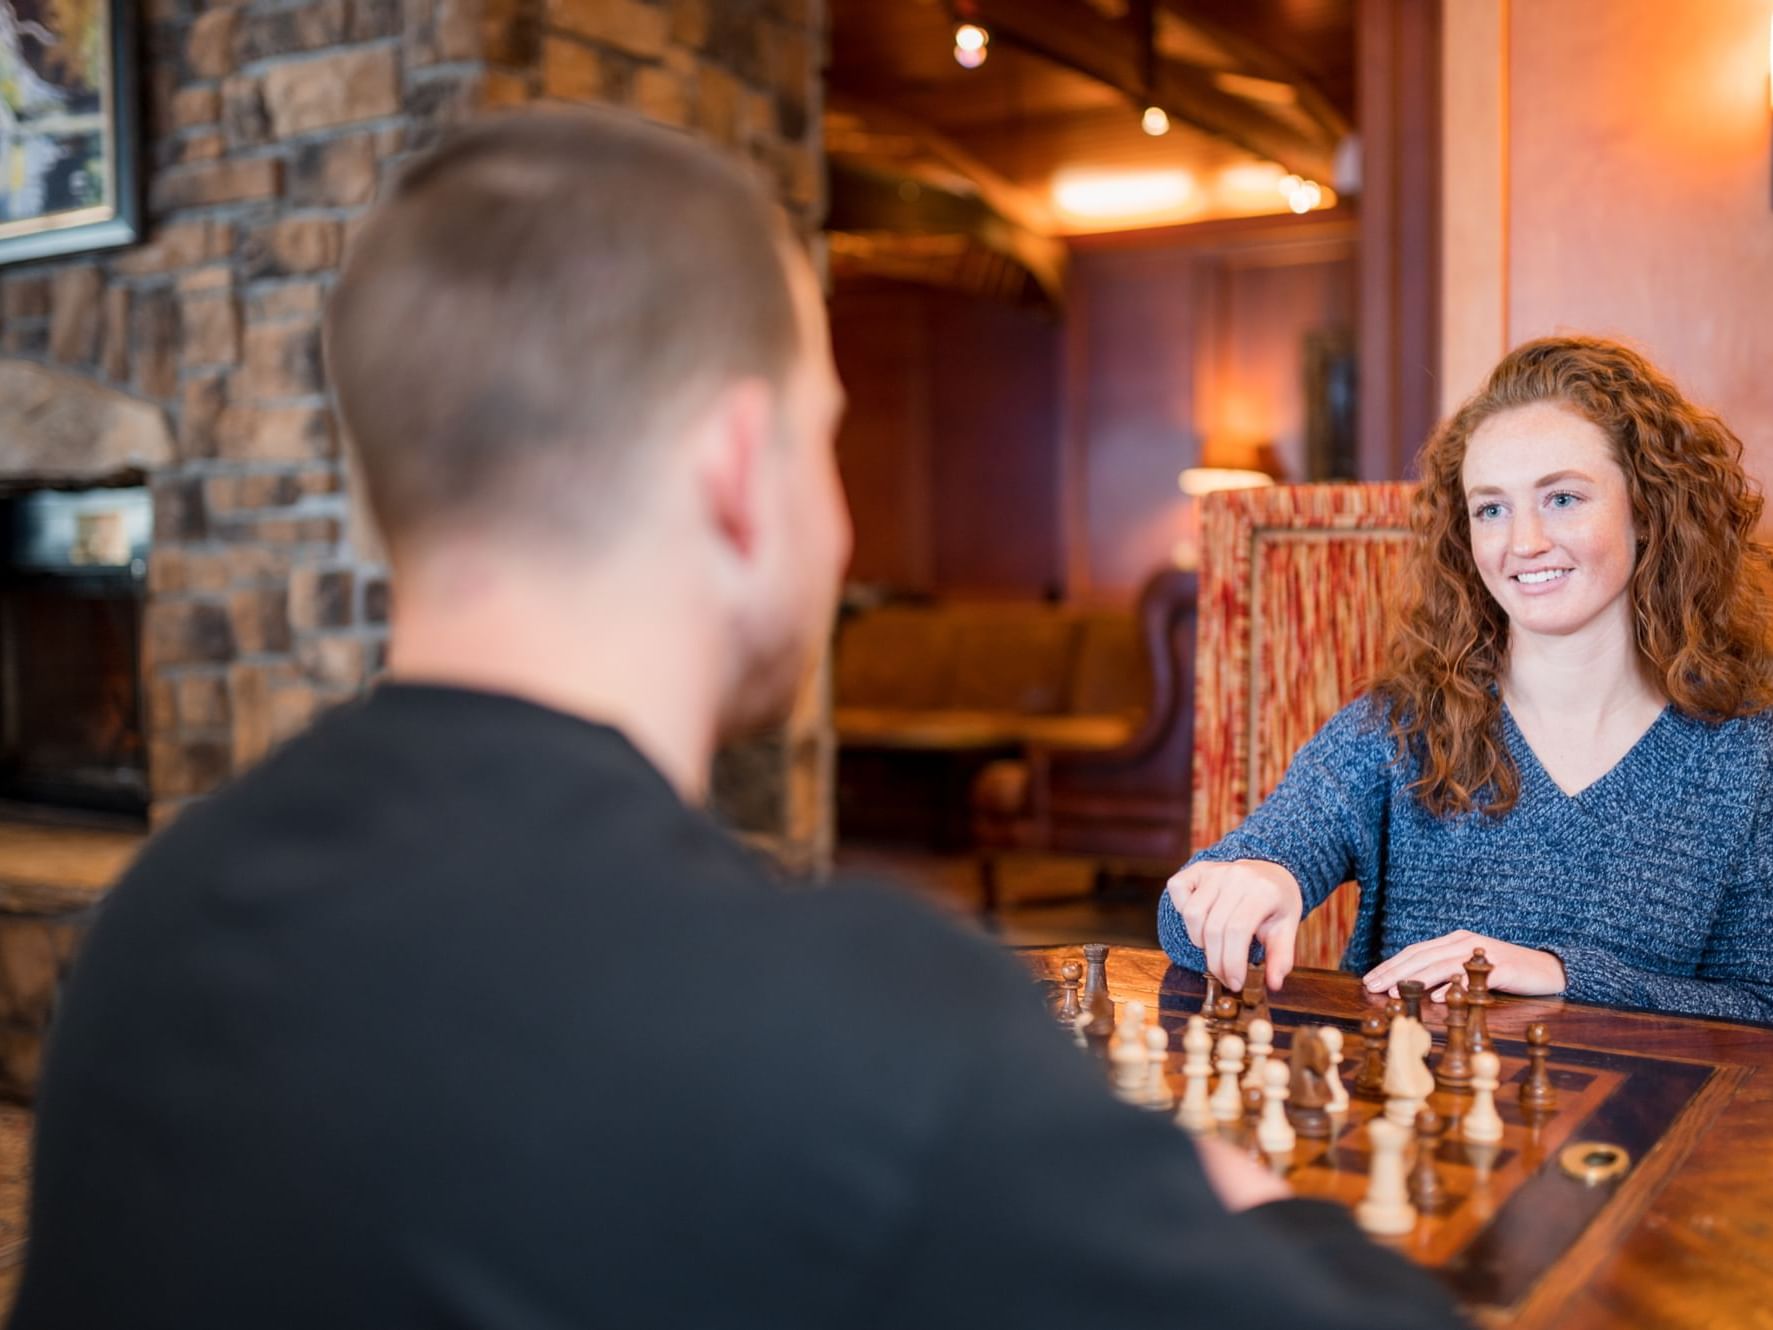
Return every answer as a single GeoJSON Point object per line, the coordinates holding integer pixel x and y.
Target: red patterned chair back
{"type": "Point", "coordinates": [1295, 591]}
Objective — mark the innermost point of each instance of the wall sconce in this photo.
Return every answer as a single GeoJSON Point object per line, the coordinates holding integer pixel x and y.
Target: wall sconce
{"type": "Point", "coordinates": [1225, 464]}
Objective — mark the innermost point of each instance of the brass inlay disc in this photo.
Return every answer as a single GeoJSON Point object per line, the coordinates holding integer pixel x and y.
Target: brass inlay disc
{"type": "Point", "coordinates": [1594, 1161]}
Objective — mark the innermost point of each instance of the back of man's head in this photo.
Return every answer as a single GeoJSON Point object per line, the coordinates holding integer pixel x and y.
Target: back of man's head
{"type": "Point", "coordinates": [540, 302]}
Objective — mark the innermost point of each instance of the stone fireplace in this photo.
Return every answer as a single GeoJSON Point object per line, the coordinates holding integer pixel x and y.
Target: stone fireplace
{"type": "Point", "coordinates": [189, 367]}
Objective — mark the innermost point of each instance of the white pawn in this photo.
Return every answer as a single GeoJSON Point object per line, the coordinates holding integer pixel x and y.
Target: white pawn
{"type": "Point", "coordinates": [1483, 1123]}
{"type": "Point", "coordinates": [1129, 1069]}
{"type": "Point", "coordinates": [1129, 1025]}
{"type": "Point", "coordinates": [1274, 1133]}
{"type": "Point", "coordinates": [1261, 1045]}
{"type": "Point", "coordinates": [1332, 1038]}
{"type": "Point", "coordinates": [1386, 1211]}
{"type": "Point", "coordinates": [1228, 1097]}
{"type": "Point", "coordinates": [1157, 1054]}
{"type": "Point", "coordinates": [1196, 1113]}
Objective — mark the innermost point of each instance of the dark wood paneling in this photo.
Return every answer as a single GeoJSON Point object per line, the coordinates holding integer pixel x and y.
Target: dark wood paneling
{"type": "Point", "coordinates": [949, 450]}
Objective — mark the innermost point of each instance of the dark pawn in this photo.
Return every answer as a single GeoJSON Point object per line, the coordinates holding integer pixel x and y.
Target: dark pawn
{"type": "Point", "coordinates": [1070, 975]}
{"type": "Point", "coordinates": [1425, 1181]}
{"type": "Point", "coordinates": [1309, 1089]}
{"type": "Point", "coordinates": [1210, 1003]}
{"type": "Point", "coordinates": [1538, 1095]}
{"type": "Point", "coordinates": [1453, 1071]}
{"type": "Point", "coordinates": [1369, 1082]}
{"type": "Point", "coordinates": [1477, 986]}
{"type": "Point", "coordinates": [1410, 994]}
{"type": "Point", "coordinates": [1225, 1014]}
{"type": "Point", "coordinates": [1253, 1100]}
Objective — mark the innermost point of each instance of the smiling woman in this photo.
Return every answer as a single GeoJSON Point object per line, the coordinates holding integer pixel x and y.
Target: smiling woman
{"type": "Point", "coordinates": [1568, 757]}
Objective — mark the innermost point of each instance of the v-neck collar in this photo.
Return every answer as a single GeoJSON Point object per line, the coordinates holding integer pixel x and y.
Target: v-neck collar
{"type": "Point", "coordinates": [1665, 737]}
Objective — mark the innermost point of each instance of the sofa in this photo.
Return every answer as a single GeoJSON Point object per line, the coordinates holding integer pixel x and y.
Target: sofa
{"type": "Point", "coordinates": [926, 694]}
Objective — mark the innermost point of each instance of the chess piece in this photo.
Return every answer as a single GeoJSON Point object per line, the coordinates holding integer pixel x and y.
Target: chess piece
{"type": "Point", "coordinates": [1261, 1044]}
{"type": "Point", "coordinates": [1408, 1081]}
{"type": "Point", "coordinates": [1255, 998]}
{"type": "Point", "coordinates": [1195, 1114]}
{"type": "Point", "coordinates": [1228, 1103]}
{"type": "Point", "coordinates": [1410, 992]}
{"type": "Point", "coordinates": [1369, 1081]}
{"type": "Point", "coordinates": [1252, 1097]}
{"type": "Point", "coordinates": [1425, 1180]}
{"type": "Point", "coordinates": [1538, 1095]}
{"type": "Point", "coordinates": [1483, 1123]}
{"type": "Point", "coordinates": [1070, 975]}
{"type": "Point", "coordinates": [1477, 993]}
{"type": "Point", "coordinates": [1099, 1007]}
{"type": "Point", "coordinates": [1386, 1210]}
{"type": "Point", "coordinates": [1225, 1013]}
{"type": "Point", "coordinates": [1157, 1085]}
{"type": "Point", "coordinates": [1130, 1067]}
{"type": "Point", "coordinates": [1274, 1133]}
{"type": "Point", "coordinates": [1210, 1003]}
{"type": "Point", "coordinates": [1129, 1022]}
{"type": "Point", "coordinates": [1309, 1091]}
{"type": "Point", "coordinates": [1332, 1039]}
{"type": "Point", "coordinates": [1453, 1071]}
{"type": "Point", "coordinates": [1096, 980]}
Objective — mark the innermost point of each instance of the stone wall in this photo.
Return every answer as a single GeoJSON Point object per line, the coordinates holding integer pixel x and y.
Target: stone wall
{"type": "Point", "coordinates": [269, 129]}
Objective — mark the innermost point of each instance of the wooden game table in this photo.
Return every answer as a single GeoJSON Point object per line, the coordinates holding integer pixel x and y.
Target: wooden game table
{"type": "Point", "coordinates": [1683, 1238]}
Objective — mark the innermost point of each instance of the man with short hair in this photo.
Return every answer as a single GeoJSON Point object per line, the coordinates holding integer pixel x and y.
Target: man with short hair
{"type": "Point", "coordinates": [458, 1011]}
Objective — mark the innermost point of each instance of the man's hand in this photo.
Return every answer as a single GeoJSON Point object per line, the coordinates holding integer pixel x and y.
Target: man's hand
{"type": "Point", "coordinates": [1236, 1179]}
{"type": "Point", "coordinates": [1441, 959]}
{"type": "Point", "coordinates": [1225, 906]}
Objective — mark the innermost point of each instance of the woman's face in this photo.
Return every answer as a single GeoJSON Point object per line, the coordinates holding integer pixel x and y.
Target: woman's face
{"type": "Point", "coordinates": [1551, 524]}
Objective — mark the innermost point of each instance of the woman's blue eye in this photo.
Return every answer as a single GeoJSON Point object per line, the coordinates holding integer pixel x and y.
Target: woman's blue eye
{"type": "Point", "coordinates": [1564, 499]}
{"type": "Point", "coordinates": [1486, 511]}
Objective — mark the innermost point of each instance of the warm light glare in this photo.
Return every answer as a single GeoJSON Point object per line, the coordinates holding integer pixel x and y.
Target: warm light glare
{"type": "Point", "coordinates": [1089, 194]}
{"type": "Point", "coordinates": [1301, 195]}
{"type": "Point", "coordinates": [1199, 480]}
{"type": "Point", "coordinates": [1156, 121]}
{"type": "Point", "coordinates": [970, 41]}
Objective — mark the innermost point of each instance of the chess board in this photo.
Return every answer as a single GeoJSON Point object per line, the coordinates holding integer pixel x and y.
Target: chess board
{"type": "Point", "coordinates": [1510, 1229]}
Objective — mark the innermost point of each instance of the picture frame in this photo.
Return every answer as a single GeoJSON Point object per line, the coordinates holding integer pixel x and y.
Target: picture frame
{"type": "Point", "coordinates": [69, 128]}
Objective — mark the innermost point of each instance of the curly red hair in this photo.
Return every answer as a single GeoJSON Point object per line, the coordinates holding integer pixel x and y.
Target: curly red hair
{"type": "Point", "coordinates": [1699, 589]}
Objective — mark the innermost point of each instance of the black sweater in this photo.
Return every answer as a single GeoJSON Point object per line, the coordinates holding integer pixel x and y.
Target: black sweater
{"type": "Point", "coordinates": [452, 1014]}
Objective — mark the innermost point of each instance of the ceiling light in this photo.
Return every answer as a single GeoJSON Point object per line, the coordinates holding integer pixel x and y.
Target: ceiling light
{"type": "Point", "coordinates": [1128, 194]}
{"type": "Point", "coordinates": [1155, 121]}
{"type": "Point", "coordinates": [970, 43]}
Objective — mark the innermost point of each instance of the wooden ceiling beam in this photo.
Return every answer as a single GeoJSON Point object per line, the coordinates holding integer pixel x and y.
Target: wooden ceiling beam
{"type": "Point", "coordinates": [1258, 60]}
{"type": "Point", "coordinates": [1116, 52]}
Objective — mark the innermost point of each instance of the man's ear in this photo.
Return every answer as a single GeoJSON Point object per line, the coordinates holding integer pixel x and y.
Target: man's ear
{"type": "Point", "coordinates": [732, 461]}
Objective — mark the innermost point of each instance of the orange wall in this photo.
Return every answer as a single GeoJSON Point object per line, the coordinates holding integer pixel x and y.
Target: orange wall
{"type": "Point", "coordinates": [1629, 143]}
{"type": "Point", "coordinates": [1188, 335]}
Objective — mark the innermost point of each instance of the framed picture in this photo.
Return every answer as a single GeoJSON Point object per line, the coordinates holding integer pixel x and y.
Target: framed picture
{"type": "Point", "coordinates": [67, 127]}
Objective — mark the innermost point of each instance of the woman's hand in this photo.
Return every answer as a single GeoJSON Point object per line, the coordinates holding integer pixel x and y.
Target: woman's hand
{"type": "Point", "coordinates": [1440, 959]}
{"type": "Point", "coordinates": [1225, 906]}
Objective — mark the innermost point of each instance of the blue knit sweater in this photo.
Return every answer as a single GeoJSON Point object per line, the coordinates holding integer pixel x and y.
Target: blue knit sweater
{"type": "Point", "coordinates": [1654, 885]}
